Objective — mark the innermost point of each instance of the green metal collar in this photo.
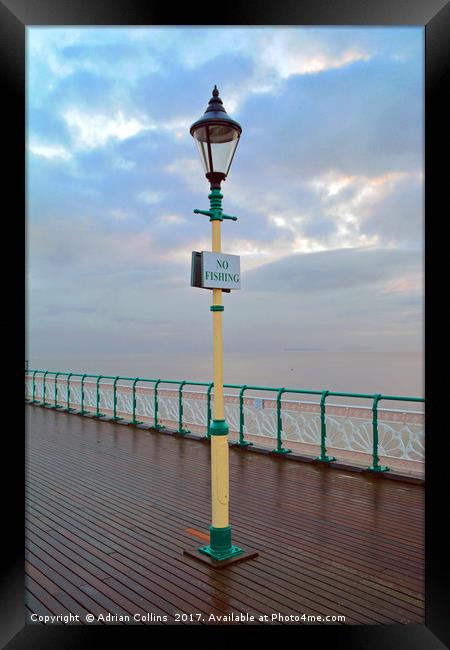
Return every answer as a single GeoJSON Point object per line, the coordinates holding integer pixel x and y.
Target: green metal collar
{"type": "Point", "coordinates": [215, 212]}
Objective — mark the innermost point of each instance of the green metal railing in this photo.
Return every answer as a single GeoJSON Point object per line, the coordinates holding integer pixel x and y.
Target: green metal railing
{"type": "Point", "coordinates": [278, 393]}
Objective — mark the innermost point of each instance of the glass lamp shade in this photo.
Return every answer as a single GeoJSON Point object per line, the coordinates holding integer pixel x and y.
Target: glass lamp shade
{"type": "Point", "coordinates": [217, 136]}
{"type": "Point", "coordinates": [216, 144]}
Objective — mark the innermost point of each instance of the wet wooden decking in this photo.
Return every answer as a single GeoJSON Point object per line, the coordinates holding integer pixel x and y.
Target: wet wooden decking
{"type": "Point", "coordinates": [110, 509]}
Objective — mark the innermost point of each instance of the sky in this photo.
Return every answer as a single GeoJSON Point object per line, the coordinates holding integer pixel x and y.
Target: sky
{"type": "Point", "coordinates": [327, 184]}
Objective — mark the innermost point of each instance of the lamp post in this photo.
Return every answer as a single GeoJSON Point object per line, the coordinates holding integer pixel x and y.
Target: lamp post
{"type": "Point", "coordinates": [217, 136]}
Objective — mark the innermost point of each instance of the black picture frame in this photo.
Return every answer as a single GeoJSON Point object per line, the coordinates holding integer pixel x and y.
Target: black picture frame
{"type": "Point", "coordinates": [434, 15]}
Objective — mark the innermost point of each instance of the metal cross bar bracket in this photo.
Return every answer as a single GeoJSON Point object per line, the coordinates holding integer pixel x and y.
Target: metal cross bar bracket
{"type": "Point", "coordinates": [215, 215]}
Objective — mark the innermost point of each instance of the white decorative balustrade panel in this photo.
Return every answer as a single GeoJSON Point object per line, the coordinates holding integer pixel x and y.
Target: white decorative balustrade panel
{"type": "Point", "coordinates": [401, 434]}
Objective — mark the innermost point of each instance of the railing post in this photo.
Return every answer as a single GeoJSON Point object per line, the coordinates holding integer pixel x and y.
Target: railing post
{"type": "Point", "coordinates": [49, 404]}
{"type": "Point", "coordinates": [242, 442]}
{"type": "Point", "coordinates": [82, 411]}
{"type": "Point", "coordinates": [33, 394]}
{"type": "Point", "coordinates": [43, 403]}
{"type": "Point", "coordinates": [376, 467]}
{"type": "Point", "coordinates": [155, 406]}
{"type": "Point", "coordinates": [180, 410]}
{"type": "Point", "coordinates": [68, 408]}
{"type": "Point", "coordinates": [114, 417]}
{"type": "Point", "coordinates": [97, 413]}
{"type": "Point", "coordinates": [280, 449]}
{"type": "Point", "coordinates": [59, 406]}
{"type": "Point", "coordinates": [323, 431]}
{"type": "Point", "coordinates": [133, 399]}
{"type": "Point", "coordinates": [55, 391]}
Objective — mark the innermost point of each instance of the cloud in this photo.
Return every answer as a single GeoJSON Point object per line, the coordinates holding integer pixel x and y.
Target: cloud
{"type": "Point", "coordinates": [50, 152]}
{"type": "Point", "coordinates": [95, 130]}
{"type": "Point", "coordinates": [151, 197]}
{"type": "Point", "coordinates": [86, 247]}
{"type": "Point", "coordinates": [411, 283]}
{"type": "Point", "coordinates": [398, 215]}
{"type": "Point", "coordinates": [363, 207]}
{"type": "Point", "coordinates": [290, 52]}
{"type": "Point", "coordinates": [335, 269]}
{"type": "Point", "coordinates": [170, 219]}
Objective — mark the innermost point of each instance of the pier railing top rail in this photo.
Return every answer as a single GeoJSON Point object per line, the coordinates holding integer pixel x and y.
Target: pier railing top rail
{"type": "Point", "coordinates": [276, 389]}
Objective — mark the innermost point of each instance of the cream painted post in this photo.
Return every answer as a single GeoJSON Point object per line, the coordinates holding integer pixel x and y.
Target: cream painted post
{"type": "Point", "coordinates": [219, 444]}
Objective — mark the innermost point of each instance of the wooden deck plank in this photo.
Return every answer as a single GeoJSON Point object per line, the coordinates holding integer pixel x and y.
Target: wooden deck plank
{"type": "Point", "coordinates": [391, 520]}
{"type": "Point", "coordinates": [136, 537]}
{"type": "Point", "coordinates": [134, 568]}
{"type": "Point", "coordinates": [310, 514]}
{"type": "Point", "coordinates": [108, 508]}
{"type": "Point", "coordinates": [359, 497]}
{"type": "Point", "coordinates": [406, 558]}
{"type": "Point", "coordinates": [394, 564]}
{"type": "Point", "coordinates": [321, 590]}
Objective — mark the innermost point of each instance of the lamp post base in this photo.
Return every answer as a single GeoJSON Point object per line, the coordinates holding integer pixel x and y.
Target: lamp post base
{"type": "Point", "coordinates": [196, 554]}
{"type": "Point", "coordinates": [199, 555]}
{"type": "Point", "coordinates": [220, 551]}
{"type": "Point", "coordinates": [232, 551]}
